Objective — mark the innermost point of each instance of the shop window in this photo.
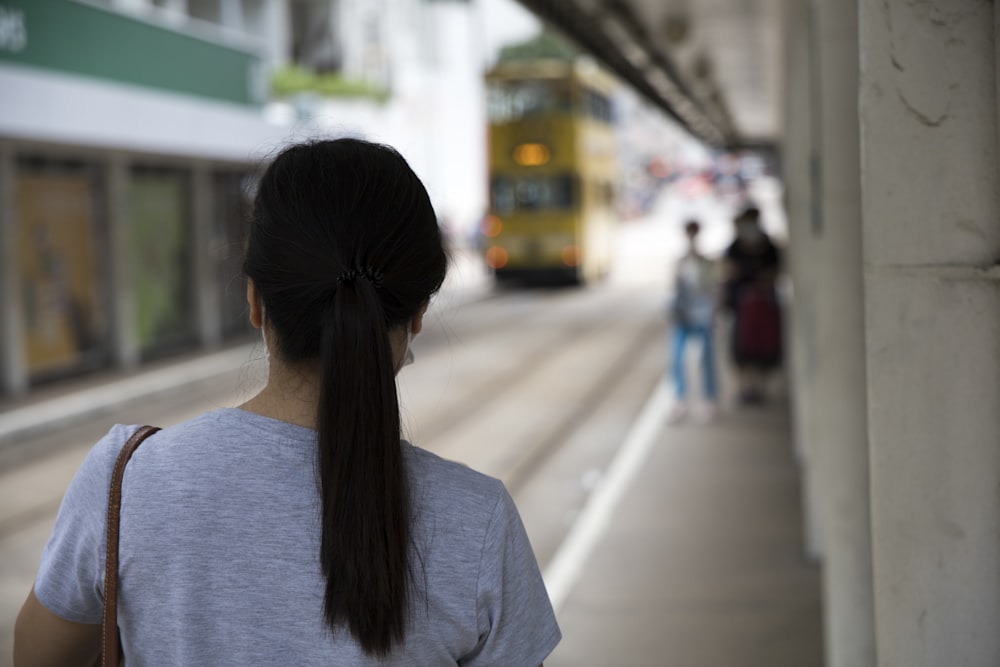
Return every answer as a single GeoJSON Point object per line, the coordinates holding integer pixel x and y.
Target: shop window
{"type": "Point", "coordinates": [60, 220]}
{"type": "Point", "coordinates": [161, 259]}
{"type": "Point", "coordinates": [232, 195]}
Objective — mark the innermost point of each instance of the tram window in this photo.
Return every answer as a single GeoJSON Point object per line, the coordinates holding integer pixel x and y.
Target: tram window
{"type": "Point", "coordinates": [596, 106]}
{"type": "Point", "coordinates": [514, 100]}
{"type": "Point", "coordinates": [502, 194]}
{"type": "Point", "coordinates": [562, 194]}
{"type": "Point", "coordinates": [532, 193]}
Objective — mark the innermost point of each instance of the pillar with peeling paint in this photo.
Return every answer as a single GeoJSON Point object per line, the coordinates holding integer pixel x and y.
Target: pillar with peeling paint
{"type": "Point", "coordinates": [928, 114]}
{"type": "Point", "coordinates": [799, 149]}
{"type": "Point", "coordinates": [839, 415]}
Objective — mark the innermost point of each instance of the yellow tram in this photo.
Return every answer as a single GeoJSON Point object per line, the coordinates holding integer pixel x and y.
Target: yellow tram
{"type": "Point", "coordinates": [553, 170]}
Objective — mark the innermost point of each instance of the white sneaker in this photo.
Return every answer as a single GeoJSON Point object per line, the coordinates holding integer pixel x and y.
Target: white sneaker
{"type": "Point", "coordinates": [677, 412]}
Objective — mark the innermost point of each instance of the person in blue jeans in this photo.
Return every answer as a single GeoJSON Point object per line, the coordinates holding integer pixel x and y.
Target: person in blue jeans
{"type": "Point", "coordinates": [692, 314]}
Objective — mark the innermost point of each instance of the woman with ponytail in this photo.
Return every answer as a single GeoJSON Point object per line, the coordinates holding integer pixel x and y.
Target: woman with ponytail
{"type": "Point", "coordinates": [299, 529]}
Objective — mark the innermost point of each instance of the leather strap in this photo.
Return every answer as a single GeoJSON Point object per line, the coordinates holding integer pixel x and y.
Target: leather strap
{"type": "Point", "coordinates": [111, 648]}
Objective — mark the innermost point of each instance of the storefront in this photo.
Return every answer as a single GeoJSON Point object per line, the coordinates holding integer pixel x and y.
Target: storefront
{"type": "Point", "coordinates": [114, 259]}
{"type": "Point", "coordinates": [61, 254]}
{"type": "Point", "coordinates": [127, 147]}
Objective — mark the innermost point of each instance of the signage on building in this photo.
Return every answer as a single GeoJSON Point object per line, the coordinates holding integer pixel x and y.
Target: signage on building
{"type": "Point", "coordinates": [80, 38]}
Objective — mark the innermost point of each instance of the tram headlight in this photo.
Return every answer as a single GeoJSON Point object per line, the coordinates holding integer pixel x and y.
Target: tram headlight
{"type": "Point", "coordinates": [571, 255]}
{"type": "Point", "coordinates": [491, 226]}
{"type": "Point", "coordinates": [532, 154]}
{"type": "Point", "coordinates": [497, 257]}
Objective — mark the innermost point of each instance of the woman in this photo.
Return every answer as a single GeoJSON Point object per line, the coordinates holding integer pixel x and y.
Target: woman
{"type": "Point", "coordinates": [298, 529]}
{"type": "Point", "coordinates": [752, 264]}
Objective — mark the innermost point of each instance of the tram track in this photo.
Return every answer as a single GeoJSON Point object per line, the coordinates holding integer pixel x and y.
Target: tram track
{"type": "Point", "coordinates": [598, 392]}
{"type": "Point", "coordinates": [479, 398]}
{"type": "Point", "coordinates": [620, 330]}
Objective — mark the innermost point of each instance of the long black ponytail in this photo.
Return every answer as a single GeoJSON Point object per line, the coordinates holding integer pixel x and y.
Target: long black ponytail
{"type": "Point", "coordinates": [344, 248]}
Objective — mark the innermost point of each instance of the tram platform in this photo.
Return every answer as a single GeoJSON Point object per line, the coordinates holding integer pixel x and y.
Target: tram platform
{"type": "Point", "coordinates": [700, 563]}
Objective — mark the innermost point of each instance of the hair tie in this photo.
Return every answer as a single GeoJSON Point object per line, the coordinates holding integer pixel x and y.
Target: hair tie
{"type": "Point", "coordinates": [372, 275]}
{"type": "Point", "coordinates": [347, 277]}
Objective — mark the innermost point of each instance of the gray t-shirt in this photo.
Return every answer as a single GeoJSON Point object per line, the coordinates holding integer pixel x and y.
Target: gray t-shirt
{"type": "Point", "coordinates": [220, 531]}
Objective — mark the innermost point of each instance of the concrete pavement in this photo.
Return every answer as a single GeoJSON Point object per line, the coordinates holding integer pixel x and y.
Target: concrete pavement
{"type": "Point", "coordinates": [701, 563]}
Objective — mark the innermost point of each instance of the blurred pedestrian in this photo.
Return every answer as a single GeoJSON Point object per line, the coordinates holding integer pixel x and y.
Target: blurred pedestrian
{"type": "Point", "coordinates": [298, 528]}
{"type": "Point", "coordinates": [692, 312]}
{"type": "Point", "coordinates": [752, 263]}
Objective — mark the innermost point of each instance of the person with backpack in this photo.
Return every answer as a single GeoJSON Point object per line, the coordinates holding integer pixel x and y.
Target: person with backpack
{"type": "Point", "coordinates": [752, 263]}
{"type": "Point", "coordinates": [692, 314]}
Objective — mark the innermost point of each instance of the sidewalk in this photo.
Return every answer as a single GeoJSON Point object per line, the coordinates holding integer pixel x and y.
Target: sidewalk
{"type": "Point", "coordinates": [701, 564]}
{"type": "Point", "coordinates": [49, 408]}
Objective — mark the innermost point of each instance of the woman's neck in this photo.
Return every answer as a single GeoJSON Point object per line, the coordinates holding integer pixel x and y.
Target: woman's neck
{"type": "Point", "coordinates": [289, 396]}
{"type": "Point", "coordinates": [292, 391]}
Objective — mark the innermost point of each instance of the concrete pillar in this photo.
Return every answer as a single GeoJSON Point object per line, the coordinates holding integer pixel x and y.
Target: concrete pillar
{"type": "Point", "coordinates": [840, 414]}
{"type": "Point", "coordinates": [207, 290]}
{"type": "Point", "coordinates": [176, 6]}
{"type": "Point", "coordinates": [13, 372]}
{"type": "Point", "coordinates": [124, 341]}
{"type": "Point", "coordinates": [174, 12]}
{"type": "Point", "coordinates": [231, 14]}
{"type": "Point", "coordinates": [270, 23]}
{"type": "Point", "coordinates": [932, 243]}
{"type": "Point", "coordinates": [797, 152]}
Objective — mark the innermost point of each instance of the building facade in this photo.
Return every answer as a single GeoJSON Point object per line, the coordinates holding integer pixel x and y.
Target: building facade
{"type": "Point", "coordinates": [130, 132]}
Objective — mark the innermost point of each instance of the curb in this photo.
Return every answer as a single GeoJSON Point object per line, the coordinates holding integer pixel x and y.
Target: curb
{"type": "Point", "coordinates": [53, 413]}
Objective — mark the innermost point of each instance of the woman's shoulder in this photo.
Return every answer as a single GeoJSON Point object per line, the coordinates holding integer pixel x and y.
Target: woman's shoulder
{"type": "Point", "coordinates": [102, 456]}
{"type": "Point", "coordinates": [242, 442]}
{"type": "Point", "coordinates": [119, 433]}
{"type": "Point", "coordinates": [436, 476]}
{"type": "Point", "coordinates": [224, 424]}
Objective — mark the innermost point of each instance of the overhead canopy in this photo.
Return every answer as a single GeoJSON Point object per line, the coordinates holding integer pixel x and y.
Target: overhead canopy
{"type": "Point", "coordinates": [714, 65]}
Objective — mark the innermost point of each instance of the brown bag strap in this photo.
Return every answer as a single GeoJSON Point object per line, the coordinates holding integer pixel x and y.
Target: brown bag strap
{"type": "Point", "coordinates": [110, 645]}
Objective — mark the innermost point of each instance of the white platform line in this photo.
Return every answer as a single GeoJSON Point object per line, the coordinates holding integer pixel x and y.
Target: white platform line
{"type": "Point", "coordinates": [565, 568]}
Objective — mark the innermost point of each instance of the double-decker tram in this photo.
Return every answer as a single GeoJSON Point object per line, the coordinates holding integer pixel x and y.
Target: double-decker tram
{"type": "Point", "coordinates": [553, 171]}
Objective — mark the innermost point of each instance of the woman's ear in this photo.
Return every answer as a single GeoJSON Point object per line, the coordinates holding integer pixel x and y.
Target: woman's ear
{"type": "Point", "coordinates": [417, 322]}
{"type": "Point", "coordinates": [256, 309]}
